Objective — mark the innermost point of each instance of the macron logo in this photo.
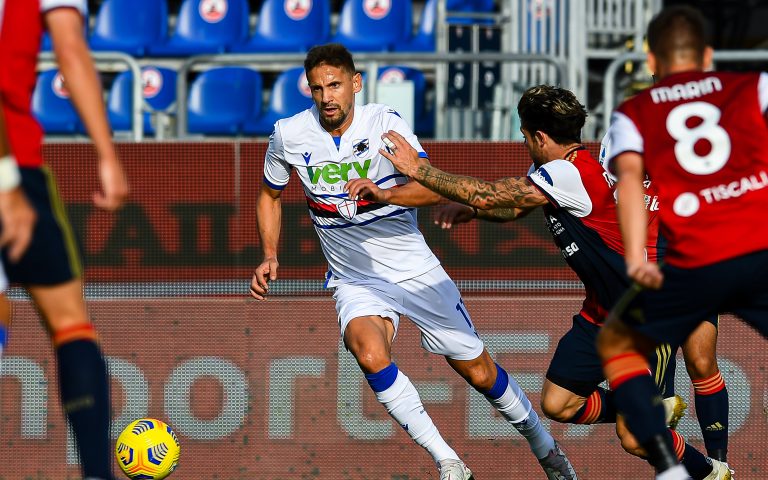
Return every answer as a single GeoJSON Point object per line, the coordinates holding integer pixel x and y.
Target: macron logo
{"type": "Point", "coordinates": [405, 427]}
{"type": "Point", "coordinates": [306, 157]}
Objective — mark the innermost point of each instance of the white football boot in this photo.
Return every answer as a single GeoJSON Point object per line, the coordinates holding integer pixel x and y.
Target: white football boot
{"type": "Point", "coordinates": [674, 409]}
{"type": "Point", "coordinates": [452, 469]}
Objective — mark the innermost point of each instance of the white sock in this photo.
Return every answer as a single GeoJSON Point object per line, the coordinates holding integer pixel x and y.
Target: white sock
{"type": "Point", "coordinates": [516, 408]}
{"type": "Point", "coordinates": [404, 405]}
{"type": "Point", "coordinates": [678, 472]}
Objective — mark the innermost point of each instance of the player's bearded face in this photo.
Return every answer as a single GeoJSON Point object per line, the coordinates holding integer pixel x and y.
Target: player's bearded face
{"type": "Point", "coordinates": [333, 91]}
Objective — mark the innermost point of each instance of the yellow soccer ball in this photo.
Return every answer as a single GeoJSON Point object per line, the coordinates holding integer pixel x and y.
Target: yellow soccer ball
{"type": "Point", "coordinates": [147, 450]}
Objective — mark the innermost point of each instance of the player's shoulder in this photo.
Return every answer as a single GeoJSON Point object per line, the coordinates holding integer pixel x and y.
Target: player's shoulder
{"type": "Point", "coordinates": [298, 124]}
{"type": "Point", "coordinates": [379, 110]}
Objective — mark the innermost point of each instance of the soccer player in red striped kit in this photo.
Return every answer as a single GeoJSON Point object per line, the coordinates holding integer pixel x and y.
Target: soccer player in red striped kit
{"type": "Point", "coordinates": [50, 270]}
{"type": "Point", "coordinates": [701, 138]}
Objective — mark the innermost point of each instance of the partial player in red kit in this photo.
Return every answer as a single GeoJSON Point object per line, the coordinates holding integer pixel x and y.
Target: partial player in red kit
{"type": "Point", "coordinates": [702, 138]}
{"type": "Point", "coordinates": [50, 270]}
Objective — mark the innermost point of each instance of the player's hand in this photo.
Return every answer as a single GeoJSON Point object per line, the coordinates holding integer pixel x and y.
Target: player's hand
{"type": "Point", "coordinates": [646, 274]}
{"type": "Point", "coordinates": [18, 219]}
{"type": "Point", "coordinates": [114, 185]}
{"type": "Point", "coordinates": [264, 273]}
{"type": "Point", "coordinates": [452, 214]}
{"type": "Point", "coordinates": [365, 189]}
{"type": "Point", "coordinates": [404, 157]}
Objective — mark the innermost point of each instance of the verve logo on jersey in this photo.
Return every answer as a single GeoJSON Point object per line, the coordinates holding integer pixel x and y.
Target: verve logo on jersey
{"type": "Point", "coordinates": [334, 173]}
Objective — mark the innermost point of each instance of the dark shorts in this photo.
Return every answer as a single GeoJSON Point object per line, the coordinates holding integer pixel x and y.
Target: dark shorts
{"type": "Point", "coordinates": [738, 285]}
{"type": "Point", "coordinates": [577, 367]}
{"type": "Point", "coordinates": [53, 256]}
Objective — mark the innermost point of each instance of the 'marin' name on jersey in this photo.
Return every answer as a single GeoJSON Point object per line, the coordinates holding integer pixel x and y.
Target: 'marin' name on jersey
{"type": "Point", "coordinates": [686, 91]}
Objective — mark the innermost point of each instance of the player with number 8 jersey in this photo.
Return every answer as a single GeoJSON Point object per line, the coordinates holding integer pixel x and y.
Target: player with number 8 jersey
{"type": "Point", "coordinates": [707, 158]}
{"type": "Point", "coordinates": [702, 139]}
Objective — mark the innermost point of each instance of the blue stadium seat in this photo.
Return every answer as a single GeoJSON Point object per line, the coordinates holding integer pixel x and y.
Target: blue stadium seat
{"type": "Point", "coordinates": [424, 40]}
{"type": "Point", "coordinates": [222, 99]}
{"type": "Point", "coordinates": [469, 7]}
{"type": "Point", "coordinates": [290, 95]}
{"type": "Point", "coordinates": [130, 26]}
{"type": "Point", "coordinates": [423, 117]}
{"type": "Point", "coordinates": [206, 26]}
{"type": "Point", "coordinates": [308, 22]}
{"type": "Point", "coordinates": [373, 26]}
{"type": "Point", "coordinates": [159, 93]}
{"type": "Point", "coordinates": [51, 105]}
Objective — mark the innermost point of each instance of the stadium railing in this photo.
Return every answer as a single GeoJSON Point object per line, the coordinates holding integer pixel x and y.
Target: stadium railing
{"type": "Point", "coordinates": [104, 59]}
{"type": "Point", "coordinates": [371, 63]}
{"type": "Point", "coordinates": [609, 79]}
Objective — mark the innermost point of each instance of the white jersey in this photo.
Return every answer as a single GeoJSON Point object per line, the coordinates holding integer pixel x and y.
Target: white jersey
{"type": "Point", "coordinates": [360, 239]}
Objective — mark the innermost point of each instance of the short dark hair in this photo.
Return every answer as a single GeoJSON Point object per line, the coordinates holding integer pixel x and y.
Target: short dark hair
{"type": "Point", "coordinates": [334, 54]}
{"type": "Point", "coordinates": [678, 30]}
{"type": "Point", "coordinates": [554, 111]}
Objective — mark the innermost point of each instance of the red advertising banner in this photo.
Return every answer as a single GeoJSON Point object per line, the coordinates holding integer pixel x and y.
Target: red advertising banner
{"type": "Point", "coordinates": [192, 216]}
{"type": "Point", "coordinates": [264, 391]}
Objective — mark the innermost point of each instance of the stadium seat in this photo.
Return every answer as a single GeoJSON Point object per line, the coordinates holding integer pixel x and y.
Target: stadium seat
{"type": "Point", "coordinates": [222, 99]}
{"type": "Point", "coordinates": [206, 26]}
{"type": "Point", "coordinates": [309, 24]}
{"type": "Point", "coordinates": [159, 85]}
{"type": "Point", "coordinates": [372, 26]}
{"type": "Point", "coordinates": [424, 118]}
{"type": "Point", "coordinates": [290, 95]}
{"type": "Point", "coordinates": [129, 26]}
{"type": "Point", "coordinates": [51, 105]}
{"type": "Point", "coordinates": [469, 7]}
{"type": "Point", "coordinates": [424, 40]}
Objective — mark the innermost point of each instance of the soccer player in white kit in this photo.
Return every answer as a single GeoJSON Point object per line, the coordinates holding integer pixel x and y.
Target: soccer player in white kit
{"type": "Point", "coordinates": [380, 266]}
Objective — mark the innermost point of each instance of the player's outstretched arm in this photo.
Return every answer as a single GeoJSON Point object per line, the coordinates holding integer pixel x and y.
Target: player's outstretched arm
{"type": "Point", "coordinates": [512, 192]}
{"type": "Point", "coordinates": [633, 219]}
{"type": "Point", "coordinates": [17, 216]}
{"type": "Point", "coordinates": [66, 28]}
{"type": "Point", "coordinates": [455, 213]}
{"type": "Point", "coordinates": [269, 213]}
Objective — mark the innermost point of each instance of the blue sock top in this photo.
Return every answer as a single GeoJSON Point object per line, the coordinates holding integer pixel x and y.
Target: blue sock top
{"type": "Point", "coordinates": [500, 386]}
{"type": "Point", "coordinates": [383, 379]}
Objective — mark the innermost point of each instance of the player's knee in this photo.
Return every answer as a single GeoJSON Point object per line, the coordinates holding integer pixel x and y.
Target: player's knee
{"type": "Point", "coordinates": [701, 366]}
{"type": "Point", "coordinates": [610, 342]}
{"type": "Point", "coordinates": [629, 443]}
{"type": "Point", "coordinates": [481, 377]}
{"type": "Point", "coordinates": [556, 410]}
{"type": "Point", "coordinates": [370, 358]}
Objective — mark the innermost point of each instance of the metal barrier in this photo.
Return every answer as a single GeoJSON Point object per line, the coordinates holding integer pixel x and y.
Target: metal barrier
{"type": "Point", "coordinates": [100, 58]}
{"type": "Point", "coordinates": [371, 62]}
{"type": "Point", "coordinates": [609, 80]}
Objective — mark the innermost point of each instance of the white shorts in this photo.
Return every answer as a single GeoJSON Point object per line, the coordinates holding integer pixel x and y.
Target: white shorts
{"type": "Point", "coordinates": [430, 300]}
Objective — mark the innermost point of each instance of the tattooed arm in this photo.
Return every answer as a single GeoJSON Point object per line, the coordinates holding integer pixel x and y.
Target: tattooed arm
{"type": "Point", "coordinates": [509, 193]}
{"type": "Point", "coordinates": [500, 215]}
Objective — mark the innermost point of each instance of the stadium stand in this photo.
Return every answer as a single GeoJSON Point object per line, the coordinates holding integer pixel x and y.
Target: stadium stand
{"type": "Point", "coordinates": [222, 99]}
{"type": "Point", "coordinates": [370, 27]}
{"type": "Point", "coordinates": [51, 105]}
{"type": "Point", "coordinates": [159, 88]}
{"type": "Point", "coordinates": [129, 26]}
{"type": "Point", "coordinates": [206, 26]}
{"type": "Point", "coordinates": [424, 39]}
{"type": "Point", "coordinates": [424, 119]}
{"type": "Point", "coordinates": [308, 22]}
{"type": "Point", "coordinates": [290, 95]}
